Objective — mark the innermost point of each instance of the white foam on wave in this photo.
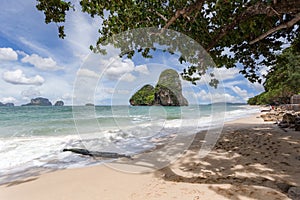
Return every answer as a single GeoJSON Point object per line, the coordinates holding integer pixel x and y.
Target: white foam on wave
{"type": "Point", "coordinates": [21, 153]}
{"type": "Point", "coordinates": [245, 111]}
{"type": "Point", "coordinates": [32, 151]}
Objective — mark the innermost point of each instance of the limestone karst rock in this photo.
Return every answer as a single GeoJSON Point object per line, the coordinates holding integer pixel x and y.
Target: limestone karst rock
{"type": "Point", "coordinates": [167, 92]}
{"type": "Point", "coordinates": [40, 101]}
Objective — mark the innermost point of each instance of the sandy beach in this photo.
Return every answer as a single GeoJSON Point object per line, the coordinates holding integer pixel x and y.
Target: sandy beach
{"type": "Point", "coordinates": [252, 160]}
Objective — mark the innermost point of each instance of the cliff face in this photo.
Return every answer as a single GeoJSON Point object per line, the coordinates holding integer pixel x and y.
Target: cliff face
{"type": "Point", "coordinates": [40, 101]}
{"type": "Point", "coordinates": [168, 92]}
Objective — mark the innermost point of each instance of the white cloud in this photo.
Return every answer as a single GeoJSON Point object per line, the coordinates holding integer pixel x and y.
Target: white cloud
{"type": "Point", "coordinates": [8, 100]}
{"type": "Point", "coordinates": [116, 69]}
{"type": "Point", "coordinates": [41, 63]}
{"type": "Point", "coordinates": [239, 95]}
{"type": "Point", "coordinates": [263, 71]}
{"type": "Point", "coordinates": [119, 67]}
{"type": "Point", "coordinates": [215, 97]}
{"type": "Point", "coordinates": [30, 93]}
{"type": "Point", "coordinates": [8, 54]}
{"type": "Point", "coordinates": [67, 96]}
{"type": "Point", "coordinates": [36, 46]}
{"type": "Point", "coordinates": [18, 77]}
{"type": "Point", "coordinates": [225, 74]}
{"type": "Point", "coordinates": [21, 53]}
{"type": "Point", "coordinates": [87, 73]}
{"type": "Point", "coordinates": [242, 93]}
{"type": "Point", "coordinates": [256, 86]}
{"type": "Point", "coordinates": [142, 69]}
{"type": "Point", "coordinates": [233, 83]}
{"type": "Point", "coordinates": [128, 77]}
{"type": "Point", "coordinates": [227, 51]}
{"type": "Point", "coordinates": [221, 74]}
{"type": "Point", "coordinates": [81, 31]}
{"type": "Point", "coordinates": [115, 91]}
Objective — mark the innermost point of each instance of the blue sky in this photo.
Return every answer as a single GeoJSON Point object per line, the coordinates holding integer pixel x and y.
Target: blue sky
{"type": "Point", "coordinates": [35, 62]}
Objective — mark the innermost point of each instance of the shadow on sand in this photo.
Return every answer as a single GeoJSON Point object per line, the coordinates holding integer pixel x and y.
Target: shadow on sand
{"type": "Point", "coordinates": [249, 156]}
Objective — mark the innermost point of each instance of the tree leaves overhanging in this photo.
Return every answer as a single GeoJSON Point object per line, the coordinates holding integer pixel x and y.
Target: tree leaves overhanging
{"type": "Point", "coordinates": [250, 30]}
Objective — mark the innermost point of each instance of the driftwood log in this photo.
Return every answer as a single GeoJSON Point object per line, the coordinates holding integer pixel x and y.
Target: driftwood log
{"type": "Point", "coordinates": [102, 154]}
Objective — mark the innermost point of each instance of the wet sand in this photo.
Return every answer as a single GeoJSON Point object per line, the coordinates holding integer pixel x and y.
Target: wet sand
{"type": "Point", "coordinates": [251, 160]}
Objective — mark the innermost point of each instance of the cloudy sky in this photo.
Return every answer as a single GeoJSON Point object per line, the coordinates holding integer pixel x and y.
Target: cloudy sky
{"type": "Point", "coordinates": [34, 62]}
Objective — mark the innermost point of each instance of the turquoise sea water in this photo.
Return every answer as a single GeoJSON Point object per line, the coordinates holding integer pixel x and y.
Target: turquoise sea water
{"type": "Point", "coordinates": [35, 136]}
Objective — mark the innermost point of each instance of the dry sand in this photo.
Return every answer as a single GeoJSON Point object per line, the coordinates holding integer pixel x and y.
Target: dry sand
{"type": "Point", "coordinates": [252, 160]}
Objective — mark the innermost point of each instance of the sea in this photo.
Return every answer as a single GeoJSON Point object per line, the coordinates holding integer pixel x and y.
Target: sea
{"type": "Point", "coordinates": [32, 138]}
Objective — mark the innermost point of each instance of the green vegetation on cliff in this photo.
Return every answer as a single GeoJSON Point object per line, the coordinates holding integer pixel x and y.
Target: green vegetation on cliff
{"type": "Point", "coordinates": [144, 96]}
{"type": "Point", "coordinates": [283, 80]}
{"type": "Point", "coordinates": [169, 79]}
{"type": "Point", "coordinates": [167, 92]}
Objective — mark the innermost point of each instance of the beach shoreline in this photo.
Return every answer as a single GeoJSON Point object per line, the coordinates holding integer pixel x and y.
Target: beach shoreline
{"type": "Point", "coordinates": [252, 160]}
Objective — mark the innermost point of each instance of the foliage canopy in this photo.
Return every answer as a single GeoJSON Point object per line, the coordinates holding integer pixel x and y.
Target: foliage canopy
{"type": "Point", "coordinates": [250, 31]}
{"type": "Point", "coordinates": [283, 79]}
{"type": "Point", "coordinates": [144, 96]}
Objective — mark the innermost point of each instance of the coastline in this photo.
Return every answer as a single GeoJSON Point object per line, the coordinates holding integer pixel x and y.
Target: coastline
{"type": "Point", "coordinates": [252, 160]}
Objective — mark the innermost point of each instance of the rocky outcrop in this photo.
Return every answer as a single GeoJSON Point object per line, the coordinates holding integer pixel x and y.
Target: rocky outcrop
{"type": "Point", "coordinates": [290, 120]}
{"type": "Point", "coordinates": [283, 117]}
{"type": "Point", "coordinates": [297, 124]}
{"type": "Point", "coordinates": [7, 104]}
{"type": "Point", "coordinates": [269, 117]}
{"type": "Point", "coordinates": [294, 193]}
{"type": "Point", "coordinates": [272, 115]}
{"type": "Point", "coordinates": [143, 97]}
{"type": "Point", "coordinates": [59, 103]}
{"type": "Point", "coordinates": [167, 92]}
{"type": "Point", "coordinates": [40, 101]}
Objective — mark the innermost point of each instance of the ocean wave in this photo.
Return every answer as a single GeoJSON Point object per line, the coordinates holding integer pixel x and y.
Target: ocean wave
{"type": "Point", "coordinates": [38, 145]}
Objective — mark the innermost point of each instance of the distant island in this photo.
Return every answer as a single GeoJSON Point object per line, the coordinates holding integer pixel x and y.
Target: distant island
{"type": "Point", "coordinates": [7, 104]}
{"type": "Point", "coordinates": [41, 101]}
{"type": "Point", "coordinates": [167, 92]}
{"type": "Point", "coordinates": [59, 103]}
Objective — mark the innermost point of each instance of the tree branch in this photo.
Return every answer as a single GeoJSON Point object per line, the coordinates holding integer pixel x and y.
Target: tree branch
{"type": "Point", "coordinates": [259, 8]}
{"type": "Point", "coordinates": [161, 16]}
{"type": "Point", "coordinates": [245, 14]}
{"type": "Point", "coordinates": [174, 18]}
{"type": "Point", "coordinates": [277, 28]}
{"type": "Point", "coordinates": [185, 12]}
